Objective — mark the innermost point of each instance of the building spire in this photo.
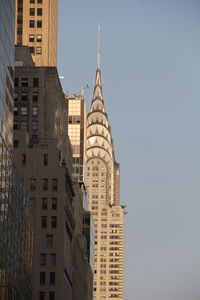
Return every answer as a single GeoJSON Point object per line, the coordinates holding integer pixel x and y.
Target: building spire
{"type": "Point", "coordinates": [98, 54]}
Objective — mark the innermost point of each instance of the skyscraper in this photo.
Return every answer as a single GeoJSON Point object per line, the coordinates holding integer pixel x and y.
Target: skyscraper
{"type": "Point", "coordinates": [103, 189]}
{"type": "Point", "coordinates": [36, 27]}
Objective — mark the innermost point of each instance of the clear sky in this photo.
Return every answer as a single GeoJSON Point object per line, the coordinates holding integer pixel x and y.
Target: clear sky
{"type": "Point", "coordinates": [150, 61]}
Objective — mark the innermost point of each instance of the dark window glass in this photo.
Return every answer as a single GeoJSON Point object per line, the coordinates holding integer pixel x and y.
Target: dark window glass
{"type": "Point", "coordinates": [16, 82]}
{"type": "Point", "coordinates": [44, 221]}
{"type": "Point", "coordinates": [35, 82]}
{"type": "Point", "coordinates": [15, 125]}
{"type": "Point", "coordinates": [51, 295]}
{"type": "Point", "coordinates": [53, 221]}
{"type": "Point", "coordinates": [32, 11]}
{"type": "Point", "coordinates": [43, 258]}
{"type": "Point", "coordinates": [23, 159]}
{"type": "Point", "coordinates": [16, 143]}
{"type": "Point", "coordinates": [42, 277]}
{"type": "Point", "coordinates": [52, 259]}
{"type": "Point", "coordinates": [39, 1]}
{"type": "Point", "coordinates": [41, 294]}
{"type": "Point", "coordinates": [32, 1]}
{"type": "Point", "coordinates": [24, 82]}
{"type": "Point", "coordinates": [33, 184]}
{"type": "Point", "coordinates": [45, 184]}
{"type": "Point", "coordinates": [31, 23]}
{"type": "Point", "coordinates": [44, 203]}
{"type": "Point", "coordinates": [54, 203]}
{"type": "Point", "coordinates": [52, 278]}
{"type": "Point", "coordinates": [24, 97]}
{"type": "Point", "coordinates": [32, 50]}
{"type": "Point", "coordinates": [31, 38]}
{"type": "Point", "coordinates": [54, 184]}
{"type": "Point", "coordinates": [39, 24]}
{"type": "Point", "coordinates": [45, 159]}
{"type": "Point", "coordinates": [39, 11]}
{"type": "Point", "coordinates": [35, 96]}
{"type": "Point", "coordinates": [49, 240]}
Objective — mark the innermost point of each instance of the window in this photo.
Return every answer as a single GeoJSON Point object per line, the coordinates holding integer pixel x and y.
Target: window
{"type": "Point", "coordinates": [42, 277]}
{"type": "Point", "coordinates": [39, 38]}
{"type": "Point", "coordinates": [23, 125]}
{"type": "Point", "coordinates": [54, 203]}
{"type": "Point", "coordinates": [15, 143]}
{"type": "Point", "coordinates": [31, 38]}
{"type": "Point", "coordinates": [39, 24]}
{"type": "Point", "coordinates": [24, 82]}
{"type": "Point", "coordinates": [35, 82]}
{"type": "Point", "coordinates": [34, 125]}
{"type": "Point", "coordinates": [15, 125]}
{"type": "Point", "coordinates": [23, 159]}
{"type": "Point", "coordinates": [32, 1]}
{"type": "Point", "coordinates": [44, 222]}
{"type": "Point", "coordinates": [32, 50]}
{"type": "Point", "coordinates": [43, 258]}
{"type": "Point", "coordinates": [41, 294]}
{"type": "Point", "coordinates": [52, 259]}
{"type": "Point", "coordinates": [32, 11]}
{"type": "Point", "coordinates": [51, 295]}
{"type": "Point", "coordinates": [15, 110]}
{"type": "Point", "coordinates": [45, 156]}
{"type": "Point", "coordinates": [44, 203]}
{"type": "Point", "coordinates": [54, 184]}
{"type": "Point", "coordinates": [24, 111]}
{"type": "Point", "coordinates": [39, 11]}
{"type": "Point", "coordinates": [16, 82]}
{"type": "Point", "coordinates": [39, 50]}
{"type": "Point", "coordinates": [45, 184]}
{"type": "Point", "coordinates": [49, 240]}
{"type": "Point", "coordinates": [24, 97]}
{"type": "Point", "coordinates": [35, 97]}
{"type": "Point", "coordinates": [31, 23]}
{"type": "Point", "coordinates": [33, 184]}
{"type": "Point", "coordinates": [39, 1]}
{"type": "Point", "coordinates": [53, 221]}
{"type": "Point", "coordinates": [34, 111]}
{"type": "Point", "coordinates": [52, 278]}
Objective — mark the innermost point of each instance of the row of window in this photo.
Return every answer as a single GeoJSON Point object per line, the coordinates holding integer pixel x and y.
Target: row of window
{"type": "Point", "coordinates": [51, 257]}
{"type": "Point", "coordinates": [35, 50]}
{"type": "Point", "coordinates": [49, 202]}
{"type": "Point", "coordinates": [51, 295]}
{"type": "Point", "coordinates": [23, 125]}
{"type": "Point", "coordinates": [24, 111]}
{"type": "Point", "coordinates": [26, 83]}
{"type": "Point", "coordinates": [43, 278]}
{"type": "Point", "coordinates": [44, 221]}
{"type": "Point", "coordinates": [34, 1]}
{"type": "Point", "coordinates": [33, 11]}
{"type": "Point", "coordinates": [45, 183]}
{"type": "Point", "coordinates": [33, 38]}
{"type": "Point", "coordinates": [33, 24]}
{"type": "Point", "coordinates": [25, 96]}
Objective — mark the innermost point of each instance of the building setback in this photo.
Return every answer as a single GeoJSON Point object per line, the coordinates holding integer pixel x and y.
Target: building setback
{"type": "Point", "coordinates": [36, 27]}
{"type": "Point", "coordinates": [103, 177]}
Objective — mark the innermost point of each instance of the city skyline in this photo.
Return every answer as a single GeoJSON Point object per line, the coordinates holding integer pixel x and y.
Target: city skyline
{"type": "Point", "coordinates": [150, 68]}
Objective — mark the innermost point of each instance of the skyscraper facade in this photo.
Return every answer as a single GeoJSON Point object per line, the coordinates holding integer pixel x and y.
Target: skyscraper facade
{"type": "Point", "coordinates": [77, 133]}
{"type": "Point", "coordinates": [103, 188]}
{"type": "Point", "coordinates": [7, 17]}
{"type": "Point", "coordinates": [36, 27]}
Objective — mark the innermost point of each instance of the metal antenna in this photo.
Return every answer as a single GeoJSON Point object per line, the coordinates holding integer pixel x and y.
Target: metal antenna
{"type": "Point", "coordinates": [98, 55]}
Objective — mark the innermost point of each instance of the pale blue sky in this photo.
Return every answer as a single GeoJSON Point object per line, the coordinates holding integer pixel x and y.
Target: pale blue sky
{"type": "Point", "coordinates": [150, 61]}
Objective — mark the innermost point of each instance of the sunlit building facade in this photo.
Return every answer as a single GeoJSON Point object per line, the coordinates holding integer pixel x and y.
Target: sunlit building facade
{"type": "Point", "coordinates": [103, 176]}
{"type": "Point", "coordinates": [36, 27]}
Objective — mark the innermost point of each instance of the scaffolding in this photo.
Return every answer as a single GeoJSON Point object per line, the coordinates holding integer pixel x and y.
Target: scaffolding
{"type": "Point", "coordinates": [16, 235]}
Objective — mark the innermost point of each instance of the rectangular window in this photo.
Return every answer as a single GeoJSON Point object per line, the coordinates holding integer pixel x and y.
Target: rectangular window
{"type": "Point", "coordinates": [54, 203]}
{"type": "Point", "coordinates": [15, 143]}
{"type": "Point", "coordinates": [44, 222]}
{"type": "Point", "coordinates": [23, 125]}
{"type": "Point", "coordinates": [39, 38]}
{"type": "Point", "coordinates": [15, 124]}
{"type": "Point", "coordinates": [44, 203]}
{"type": "Point", "coordinates": [15, 110]}
{"type": "Point", "coordinates": [24, 97]}
{"type": "Point", "coordinates": [35, 82]}
{"type": "Point", "coordinates": [43, 258]}
{"type": "Point", "coordinates": [32, 184]}
{"type": "Point", "coordinates": [39, 1]}
{"type": "Point", "coordinates": [32, 11]}
{"type": "Point", "coordinates": [42, 277]}
{"type": "Point", "coordinates": [45, 184]}
{"type": "Point", "coordinates": [52, 278]}
{"type": "Point", "coordinates": [39, 50]}
{"type": "Point", "coordinates": [54, 184]}
{"type": "Point", "coordinates": [49, 240]}
{"type": "Point", "coordinates": [16, 82]}
{"type": "Point", "coordinates": [34, 111]}
{"type": "Point", "coordinates": [31, 23]}
{"type": "Point", "coordinates": [35, 97]}
{"type": "Point", "coordinates": [24, 82]}
{"type": "Point", "coordinates": [52, 259]}
{"type": "Point", "coordinates": [34, 125]}
{"type": "Point", "coordinates": [39, 23]}
{"type": "Point", "coordinates": [41, 294]}
{"type": "Point", "coordinates": [24, 111]}
{"type": "Point", "coordinates": [45, 157]}
{"type": "Point", "coordinates": [31, 38]}
{"type": "Point", "coordinates": [32, 1]}
{"type": "Point", "coordinates": [51, 295]}
{"type": "Point", "coordinates": [32, 50]}
{"type": "Point", "coordinates": [23, 159]}
{"type": "Point", "coordinates": [39, 11]}
{"type": "Point", "coordinates": [53, 221]}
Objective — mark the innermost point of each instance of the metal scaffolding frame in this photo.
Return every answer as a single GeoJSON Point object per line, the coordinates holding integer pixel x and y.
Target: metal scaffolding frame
{"type": "Point", "coordinates": [16, 235]}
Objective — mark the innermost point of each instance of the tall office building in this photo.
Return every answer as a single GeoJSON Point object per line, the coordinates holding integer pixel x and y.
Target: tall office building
{"type": "Point", "coordinates": [103, 189]}
{"type": "Point", "coordinates": [36, 27]}
{"type": "Point", "coordinates": [77, 133]}
{"type": "Point", "coordinates": [7, 17]}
